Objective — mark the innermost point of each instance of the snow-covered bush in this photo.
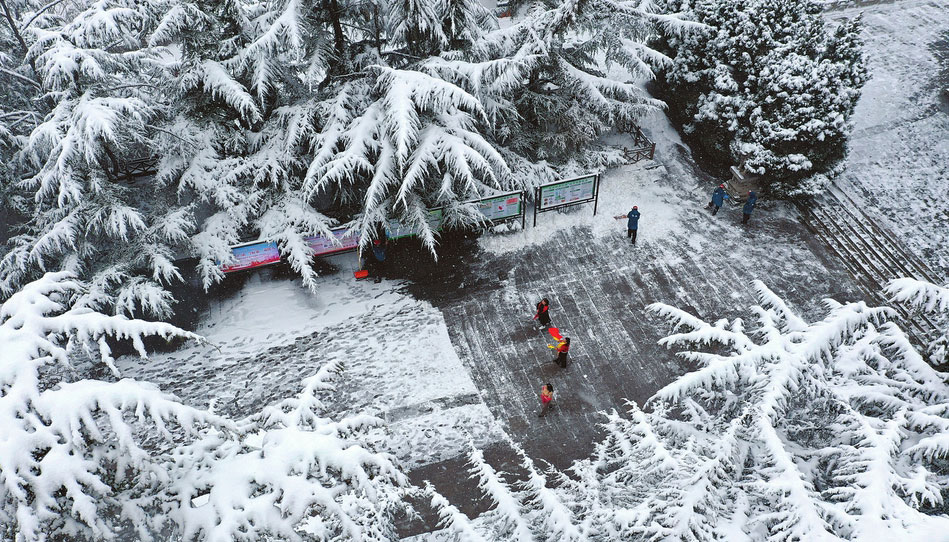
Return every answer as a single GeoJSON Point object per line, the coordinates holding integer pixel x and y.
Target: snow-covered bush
{"type": "Point", "coordinates": [767, 84]}
{"type": "Point", "coordinates": [91, 459]}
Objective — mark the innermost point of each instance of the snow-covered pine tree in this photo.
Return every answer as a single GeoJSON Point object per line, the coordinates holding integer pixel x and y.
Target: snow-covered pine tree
{"type": "Point", "coordinates": [74, 459]}
{"type": "Point", "coordinates": [231, 147]}
{"type": "Point", "coordinates": [768, 84]}
{"type": "Point", "coordinates": [585, 63]}
{"type": "Point", "coordinates": [20, 86]}
{"type": "Point", "coordinates": [804, 96]}
{"type": "Point", "coordinates": [92, 459]}
{"type": "Point", "coordinates": [525, 510]}
{"type": "Point", "coordinates": [829, 430]}
{"type": "Point", "coordinates": [406, 144]}
{"type": "Point", "coordinates": [931, 298]}
{"type": "Point", "coordinates": [298, 475]}
{"type": "Point", "coordinates": [96, 78]}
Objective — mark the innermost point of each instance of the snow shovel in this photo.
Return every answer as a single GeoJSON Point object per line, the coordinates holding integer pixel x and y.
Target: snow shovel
{"type": "Point", "coordinates": [360, 273]}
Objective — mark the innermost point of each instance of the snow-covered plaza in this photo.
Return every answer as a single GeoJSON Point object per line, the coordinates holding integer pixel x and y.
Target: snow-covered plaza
{"type": "Point", "coordinates": [725, 381]}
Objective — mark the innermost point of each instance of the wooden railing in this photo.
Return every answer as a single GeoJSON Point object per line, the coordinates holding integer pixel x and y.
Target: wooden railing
{"type": "Point", "coordinates": [132, 169]}
{"type": "Point", "coordinates": [643, 148]}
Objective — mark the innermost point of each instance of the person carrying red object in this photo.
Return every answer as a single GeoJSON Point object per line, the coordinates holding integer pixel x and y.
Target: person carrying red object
{"type": "Point", "coordinates": [562, 348]}
{"type": "Point", "coordinates": [542, 314]}
{"type": "Point", "coordinates": [546, 396]}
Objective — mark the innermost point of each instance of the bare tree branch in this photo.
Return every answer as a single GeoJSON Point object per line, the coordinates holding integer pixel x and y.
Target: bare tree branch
{"type": "Point", "coordinates": [21, 77]}
{"type": "Point", "coordinates": [41, 11]}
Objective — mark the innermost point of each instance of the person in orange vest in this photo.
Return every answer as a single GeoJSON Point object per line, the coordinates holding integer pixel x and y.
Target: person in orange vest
{"type": "Point", "coordinates": [562, 348]}
{"type": "Point", "coordinates": [542, 315]}
{"type": "Point", "coordinates": [546, 396]}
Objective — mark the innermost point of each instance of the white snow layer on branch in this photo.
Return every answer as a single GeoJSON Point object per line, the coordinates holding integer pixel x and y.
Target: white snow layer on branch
{"type": "Point", "coordinates": [846, 397]}
{"type": "Point", "coordinates": [91, 458]}
{"type": "Point", "coordinates": [919, 293]}
{"type": "Point", "coordinates": [67, 440]}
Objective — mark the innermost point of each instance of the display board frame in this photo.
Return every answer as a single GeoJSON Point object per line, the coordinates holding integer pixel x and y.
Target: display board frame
{"type": "Point", "coordinates": [505, 199]}
{"type": "Point", "coordinates": [397, 230]}
{"type": "Point", "coordinates": [539, 195]}
{"type": "Point", "coordinates": [269, 244]}
{"type": "Point", "coordinates": [338, 233]}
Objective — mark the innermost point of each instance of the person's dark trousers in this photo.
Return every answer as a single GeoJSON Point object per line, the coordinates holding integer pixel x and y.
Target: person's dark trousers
{"type": "Point", "coordinates": [715, 210]}
{"type": "Point", "coordinates": [631, 234]}
{"type": "Point", "coordinates": [562, 360]}
{"type": "Point", "coordinates": [745, 217]}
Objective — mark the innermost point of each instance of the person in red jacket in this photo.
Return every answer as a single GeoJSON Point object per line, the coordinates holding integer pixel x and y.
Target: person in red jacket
{"type": "Point", "coordinates": [543, 316]}
{"type": "Point", "coordinates": [546, 396]}
{"type": "Point", "coordinates": [562, 348]}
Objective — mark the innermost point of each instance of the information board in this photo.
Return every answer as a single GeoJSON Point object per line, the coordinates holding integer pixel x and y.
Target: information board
{"type": "Point", "coordinates": [341, 241]}
{"type": "Point", "coordinates": [567, 192]}
{"type": "Point", "coordinates": [397, 230]}
{"type": "Point", "coordinates": [502, 207]}
{"type": "Point", "coordinates": [251, 255]}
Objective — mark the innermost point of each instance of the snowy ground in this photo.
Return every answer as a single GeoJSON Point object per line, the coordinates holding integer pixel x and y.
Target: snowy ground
{"type": "Point", "coordinates": [898, 165]}
{"type": "Point", "coordinates": [451, 356]}
{"type": "Point", "coordinates": [399, 363]}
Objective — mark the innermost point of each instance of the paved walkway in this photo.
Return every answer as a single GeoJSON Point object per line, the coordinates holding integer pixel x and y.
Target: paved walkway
{"type": "Point", "coordinates": [599, 287]}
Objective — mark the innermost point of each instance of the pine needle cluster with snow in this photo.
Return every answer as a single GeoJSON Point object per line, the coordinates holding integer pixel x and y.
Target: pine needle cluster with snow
{"type": "Point", "coordinates": [280, 119]}
{"type": "Point", "coordinates": [102, 458]}
{"type": "Point", "coordinates": [932, 299]}
{"type": "Point", "coordinates": [787, 430]}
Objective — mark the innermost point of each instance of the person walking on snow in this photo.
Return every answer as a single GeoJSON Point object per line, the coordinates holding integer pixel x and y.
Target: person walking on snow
{"type": "Point", "coordinates": [546, 396]}
{"type": "Point", "coordinates": [749, 207]}
{"type": "Point", "coordinates": [718, 198]}
{"type": "Point", "coordinates": [542, 315]}
{"type": "Point", "coordinates": [379, 255]}
{"type": "Point", "coordinates": [562, 348]}
{"type": "Point", "coordinates": [632, 223]}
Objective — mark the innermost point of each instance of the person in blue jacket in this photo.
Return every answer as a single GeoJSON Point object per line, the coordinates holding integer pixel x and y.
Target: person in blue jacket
{"type": "Point", "coordinates": [749, 207]}
{"type": "Point", "coordinates": [379, 247]}
{"type": "Point", "coordinates": [632, 224]}
{"type": "Point", "coordinates": [718, 198]}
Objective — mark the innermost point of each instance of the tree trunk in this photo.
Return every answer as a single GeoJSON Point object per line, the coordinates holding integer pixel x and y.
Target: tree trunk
{"type": "Point", "coordinates": [338, 38]}
{"type": "Point", "coordinates": [19, 36]}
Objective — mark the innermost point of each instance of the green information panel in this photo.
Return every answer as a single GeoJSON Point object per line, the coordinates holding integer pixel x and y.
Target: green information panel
{"type": "Point", "coordinates": [567, 192]}
{"type": "Point", "coordinates": [502, 207]}
{"type": "Point", "coordinates": [397, 230]}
